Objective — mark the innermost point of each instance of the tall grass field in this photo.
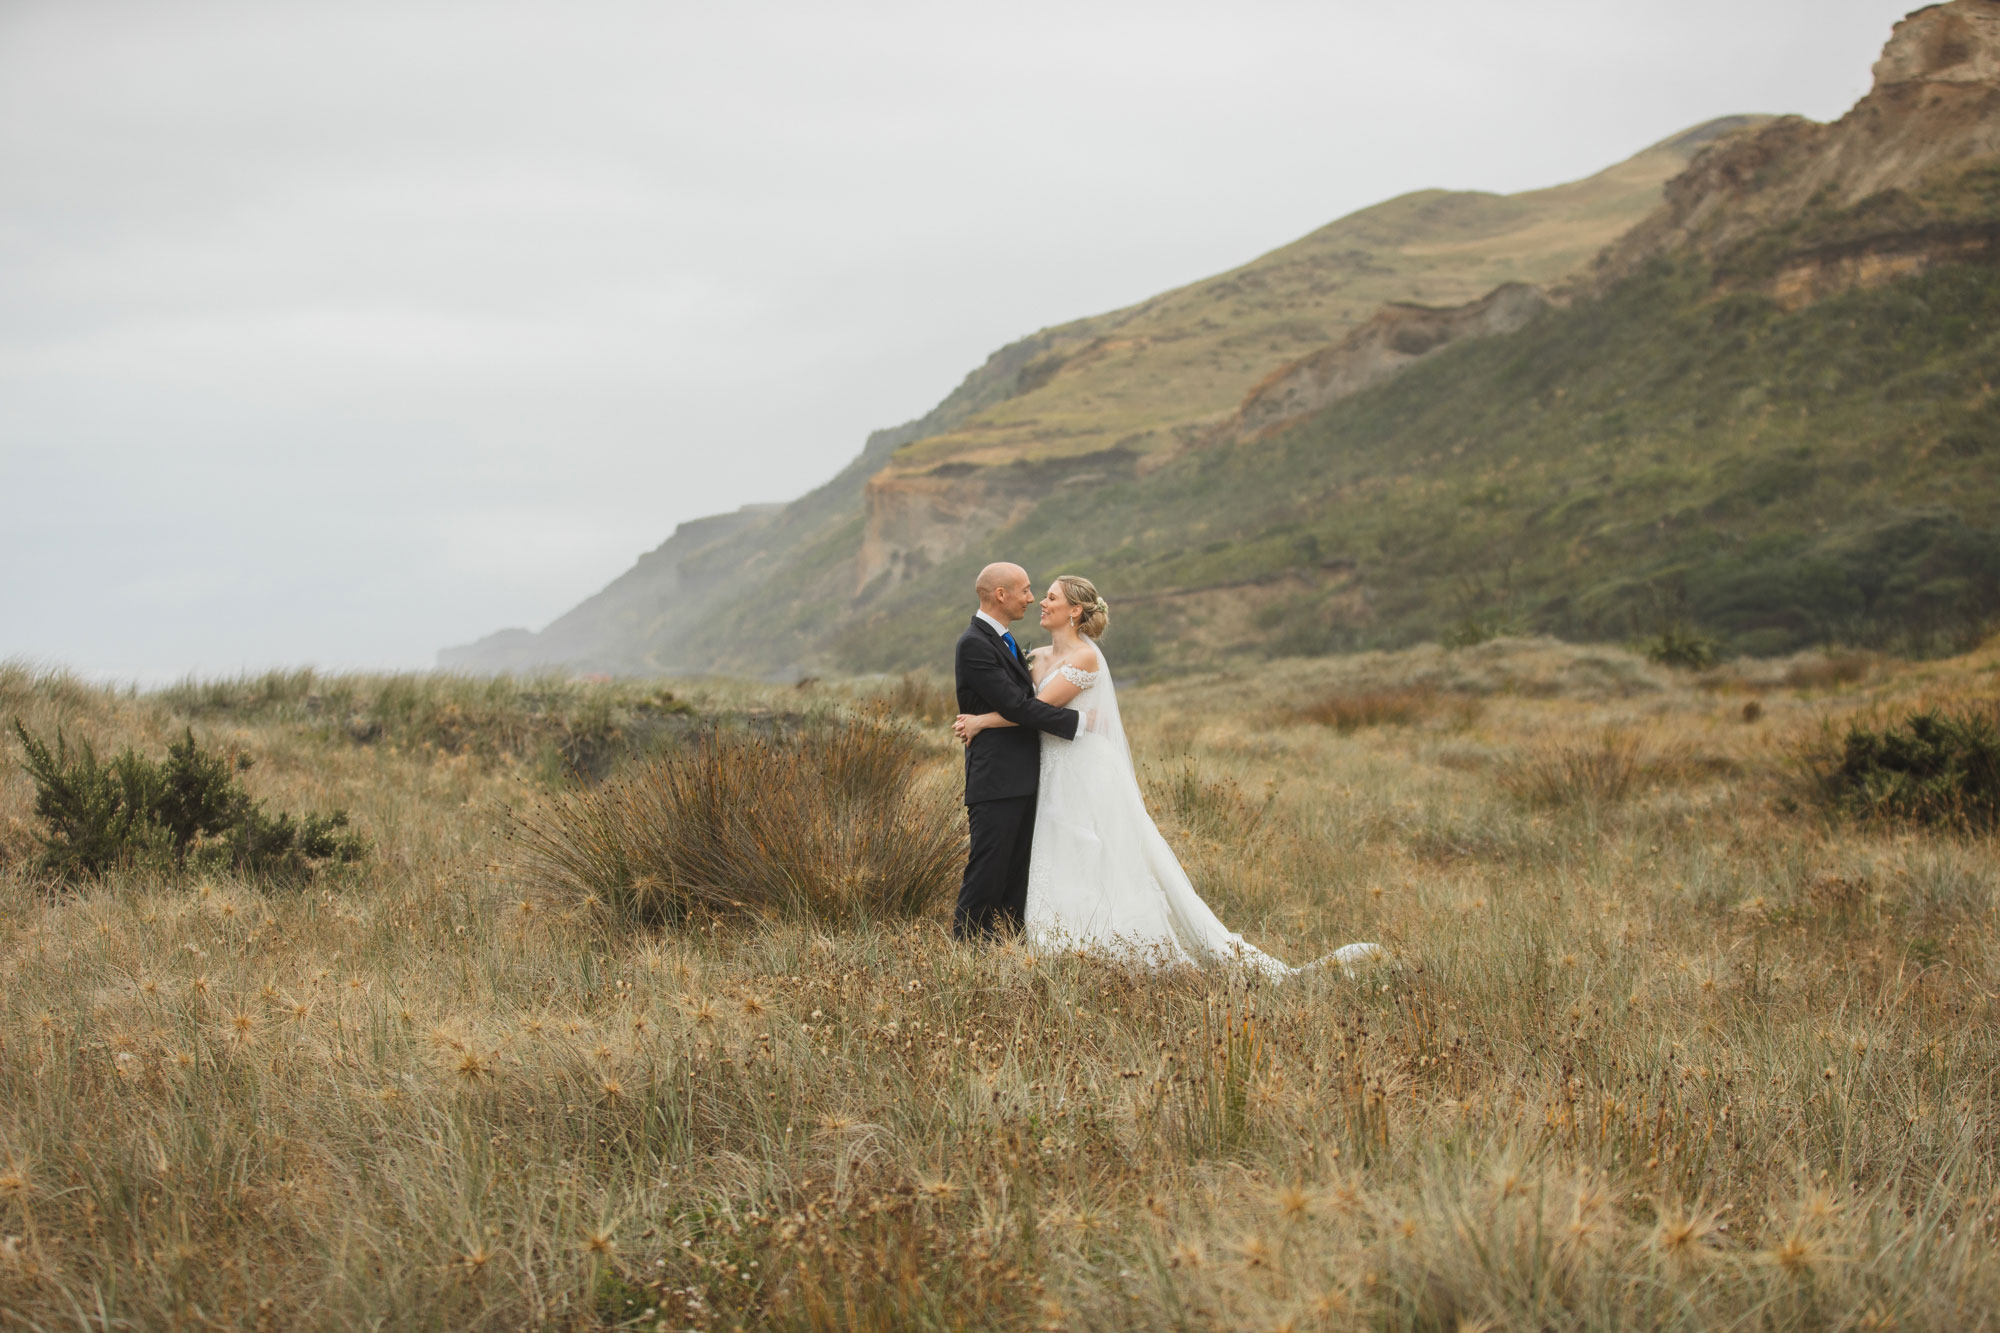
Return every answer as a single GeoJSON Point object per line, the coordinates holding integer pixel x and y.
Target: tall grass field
{"type": "Point", "coordinates": [636, 1007]}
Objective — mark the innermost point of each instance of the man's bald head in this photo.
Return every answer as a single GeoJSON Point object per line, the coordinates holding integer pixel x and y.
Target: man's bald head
{"type": "Point", "coordinates": [1003, 591]}
{"type": "Point", "coordinates": [998, 575]}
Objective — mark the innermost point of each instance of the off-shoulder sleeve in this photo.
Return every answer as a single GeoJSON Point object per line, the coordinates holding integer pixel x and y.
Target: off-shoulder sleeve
{"type": "Point", "coordinates": [1083, 680]}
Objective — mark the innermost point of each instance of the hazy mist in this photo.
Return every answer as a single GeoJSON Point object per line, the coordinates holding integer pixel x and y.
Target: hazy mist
{"type": "Point", "coordinates": [335, 333]}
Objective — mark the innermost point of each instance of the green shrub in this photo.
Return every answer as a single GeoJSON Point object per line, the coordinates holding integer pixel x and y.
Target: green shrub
{"type": "Point", "coordinates": [828, 824]}
{"type": "Point", "coordinates": [1933, 767]}
{"type": "Point", "coordinates": [187, 811]}
{"type": "Point", "coordinates": [1680, 645]}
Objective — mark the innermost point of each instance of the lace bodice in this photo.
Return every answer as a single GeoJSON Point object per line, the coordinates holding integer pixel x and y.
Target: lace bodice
{"type": "Point", "coordinates": [1083, 680]}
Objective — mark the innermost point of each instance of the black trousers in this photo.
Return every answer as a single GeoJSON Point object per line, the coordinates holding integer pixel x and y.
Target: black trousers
{"type": "Point", "coordinates": [995, 893]}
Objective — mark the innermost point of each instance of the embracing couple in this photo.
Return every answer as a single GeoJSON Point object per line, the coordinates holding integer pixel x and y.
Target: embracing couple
{"type": "Point", "coordinates": [1062, 847]}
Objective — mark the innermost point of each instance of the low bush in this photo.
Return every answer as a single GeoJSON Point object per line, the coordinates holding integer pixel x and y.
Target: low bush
{"type": "Point", "coordinates": [829, 824]}
{"type": "Point", "coordinates": [187, 811]}
{"type": "Point", "coordinates": [1935, 767]}
{"type": "Point", "coordinates": [1681, 645]}
{"type": "Point", "coordinates": [560, 725]}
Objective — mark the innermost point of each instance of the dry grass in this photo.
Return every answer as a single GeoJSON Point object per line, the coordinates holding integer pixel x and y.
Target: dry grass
{"type": "Point", "coordinates": [1347, 711]}
{"type": "Point", "coordinates": [1684, 1059]}
{"type": "Point", "coordinates": [826, 824]}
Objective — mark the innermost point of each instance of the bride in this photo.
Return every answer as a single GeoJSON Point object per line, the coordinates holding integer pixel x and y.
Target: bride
{"type": "Point", "coordinates": [1100, 876]}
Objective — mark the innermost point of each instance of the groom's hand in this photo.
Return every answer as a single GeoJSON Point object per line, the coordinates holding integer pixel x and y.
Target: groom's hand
{"type": "Point", "coordinates": [963, 729]}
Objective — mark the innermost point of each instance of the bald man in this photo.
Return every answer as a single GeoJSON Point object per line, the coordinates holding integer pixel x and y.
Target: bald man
{"type": "Point", "coordinates": [1003, 765]}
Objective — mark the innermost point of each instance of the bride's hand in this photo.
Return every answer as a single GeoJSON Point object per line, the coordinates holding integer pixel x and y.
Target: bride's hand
{"type": "Point", "coordinates": [966, 727]}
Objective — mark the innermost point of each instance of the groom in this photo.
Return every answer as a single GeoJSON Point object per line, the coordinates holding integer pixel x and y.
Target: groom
{"type": "Point", "coordinates": [1003, 764]}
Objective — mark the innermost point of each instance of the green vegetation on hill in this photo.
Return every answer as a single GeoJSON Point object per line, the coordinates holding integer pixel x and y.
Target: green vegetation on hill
{"type": "Point", "coordinates": [1130, 377]}
{"type": "Point", "coordinates": [1662, 454]}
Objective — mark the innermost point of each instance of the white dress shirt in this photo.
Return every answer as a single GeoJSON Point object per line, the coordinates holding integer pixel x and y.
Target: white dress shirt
{"type": "Point", "coordinates": [998, 628]}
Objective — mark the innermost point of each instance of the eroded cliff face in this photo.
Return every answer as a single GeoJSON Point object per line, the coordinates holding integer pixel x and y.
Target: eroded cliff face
{"type": "Point", "coordinates": [1852, 190]}
{"type": "Point", "coordinates": [1397, 336]}
{"type": "Point", "coordinates": [916, 519]}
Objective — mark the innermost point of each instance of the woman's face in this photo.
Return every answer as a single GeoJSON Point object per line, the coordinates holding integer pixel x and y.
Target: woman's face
{"type": "Point", "coordinates": [1056, 608]}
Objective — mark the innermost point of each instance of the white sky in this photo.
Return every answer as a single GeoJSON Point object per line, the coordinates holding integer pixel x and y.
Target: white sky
{"type": "Point", "coordinates": [333, 333]}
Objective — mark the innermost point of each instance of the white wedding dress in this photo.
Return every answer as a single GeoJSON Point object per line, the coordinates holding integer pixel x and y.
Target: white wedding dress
{"type": "Point", "coordinates": [1102, 879]}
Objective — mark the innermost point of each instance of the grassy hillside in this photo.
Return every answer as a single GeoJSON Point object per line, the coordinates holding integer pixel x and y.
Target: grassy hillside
{"type": "Point", "coordinates": [1674, 450]}
{"type": "Point", "coordinates": [1664, 1049]}
{"type": "Point", "coordinates": [1134, 377]}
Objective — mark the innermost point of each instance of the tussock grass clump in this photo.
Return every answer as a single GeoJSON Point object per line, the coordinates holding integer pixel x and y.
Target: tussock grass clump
{"type": "Point", "coordinates": [1211, 809]}
{"type": "Point", "coordinates": [831, 823]}
{"type": "Point", "coordinates": [1349, 711]}
{"type": "Point", "coordinates": [920, 698]}
{"type": "Point", "coordinates": [1571, 775]}
{"type": "Point", "coordinates": [1936, 766]}
{"type": "Point", "coordinates": [1822, 671]}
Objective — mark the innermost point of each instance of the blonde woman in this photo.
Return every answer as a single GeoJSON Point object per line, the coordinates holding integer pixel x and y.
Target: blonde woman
{"type": "Point", "coordinates": [1100, 876]}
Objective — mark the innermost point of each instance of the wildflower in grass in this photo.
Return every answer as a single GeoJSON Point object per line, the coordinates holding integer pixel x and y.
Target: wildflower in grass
{"type": "Point", "coordinates": [1332, 1302]}
{"type": "Point", "coordinates": [242, 1029]}
{"type": "Point", "coordinates": [15, 1183]}
{"type": "Point", "coordinates": [599, 1241]}
{"type": "Point", "coordinates": [612, 1089]}
{"type": "Point", "coordinates": [474, 1068]}
{"type": "Point", "coordinates": [752, 1005]}
{"type": "Point", "coordinates": [1293, 1202]}
{"type": "Point", "coordinates": [1254, 1251]}
{"type": "Point", "coordinates": [1798, 1253]}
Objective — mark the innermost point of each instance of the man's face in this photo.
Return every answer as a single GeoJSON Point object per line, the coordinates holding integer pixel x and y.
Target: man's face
{"type": "Point", "coordinates": [1014, 598]}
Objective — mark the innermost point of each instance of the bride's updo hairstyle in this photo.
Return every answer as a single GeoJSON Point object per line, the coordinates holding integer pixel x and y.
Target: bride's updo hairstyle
{"type": "Point", "coordinates": [1082, 594]}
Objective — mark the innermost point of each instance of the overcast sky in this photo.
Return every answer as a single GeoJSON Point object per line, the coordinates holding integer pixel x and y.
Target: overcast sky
{"type": "Point", "coordinates": [334, 333]}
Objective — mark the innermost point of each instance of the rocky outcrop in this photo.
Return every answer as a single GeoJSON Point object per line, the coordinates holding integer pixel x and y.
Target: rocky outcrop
{"type": "Point", "coordinates": [916, 519]}
{"type": "Point", "coordinates": [1398, 335]}
{"type": "Point", "coordinates": [1933, 111]}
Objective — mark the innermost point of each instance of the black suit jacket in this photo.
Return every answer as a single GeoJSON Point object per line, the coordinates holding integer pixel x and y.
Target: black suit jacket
{"type": "Point", "coordinates": [1003, 761]}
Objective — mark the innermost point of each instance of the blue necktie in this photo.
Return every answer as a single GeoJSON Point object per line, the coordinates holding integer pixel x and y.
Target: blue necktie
{"type": "Point", "coordinates": [1007, 637]}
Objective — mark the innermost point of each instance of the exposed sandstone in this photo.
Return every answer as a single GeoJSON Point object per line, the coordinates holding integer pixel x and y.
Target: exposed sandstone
{"type": "Point", "coordinates": [1397, 335]}
{"type": "Point", "coordinates": [1934, 108]}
